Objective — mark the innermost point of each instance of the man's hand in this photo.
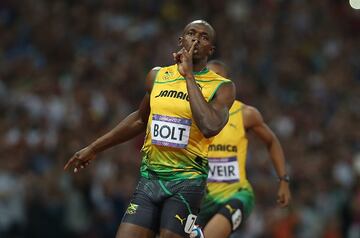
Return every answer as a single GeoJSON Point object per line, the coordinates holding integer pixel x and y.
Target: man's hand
{"type": "Point", "coordinates": [184, 60]}
{"type": "Point", "coordinates": [81, 159]}
{"type": "Point", "coordinates": [284, 194]}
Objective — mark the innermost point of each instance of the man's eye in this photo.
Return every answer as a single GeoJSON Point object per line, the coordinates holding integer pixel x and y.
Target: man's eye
{"type": "Point", "coordinates": [190, 33]}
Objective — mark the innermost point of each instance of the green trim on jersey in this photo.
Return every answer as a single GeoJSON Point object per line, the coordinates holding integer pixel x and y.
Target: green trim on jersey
{"type": "Point", "coordinates": [197, 80]}
{"type": "Point", "coordinates": [213, 94]}
{"type": "Point", "coordinates": [234, 112]}
{"type": "Point", "coordinates": [183, 173]}
{"type": "Point", "coordinates": [204, 71]}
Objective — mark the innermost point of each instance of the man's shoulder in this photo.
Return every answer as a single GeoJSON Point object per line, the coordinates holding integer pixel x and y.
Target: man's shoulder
{"type": "Point", "coordinates": [214, 76]}
{"type": "Point", "coordinates": [167, 73]}
{"type": "Point", "coordinates": [163, 67]}
{"type": "Point", "coordinates": [167, 67]}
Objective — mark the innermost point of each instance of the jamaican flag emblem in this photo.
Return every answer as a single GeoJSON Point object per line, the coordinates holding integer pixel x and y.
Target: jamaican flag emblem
{"type": "Point", "coordinates": [131, 208]}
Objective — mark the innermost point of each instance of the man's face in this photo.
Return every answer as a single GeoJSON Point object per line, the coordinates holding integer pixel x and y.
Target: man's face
{"type": "Point", "coordinates": [203, 35]}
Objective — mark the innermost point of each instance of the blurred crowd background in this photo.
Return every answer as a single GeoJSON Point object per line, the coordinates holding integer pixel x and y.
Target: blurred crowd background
{"type": "Point", "coordinates": [71, 70]}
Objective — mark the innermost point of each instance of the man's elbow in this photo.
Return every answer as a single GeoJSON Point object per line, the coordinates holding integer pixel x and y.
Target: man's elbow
{"type": "Point", "coordinates": [211, 127]}
{"type": "Point", "coordinates": [141, 122]}
{"type": "Point", "coordinates": [208, 132]}
{"type": "Point", "coordinates": [271, 142]}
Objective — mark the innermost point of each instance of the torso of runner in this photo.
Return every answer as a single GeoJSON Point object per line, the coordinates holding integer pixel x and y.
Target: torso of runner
{"type": "Point", "coordinates": [174, 147]}
{"type": "Point", "coordinates": [227, 157]}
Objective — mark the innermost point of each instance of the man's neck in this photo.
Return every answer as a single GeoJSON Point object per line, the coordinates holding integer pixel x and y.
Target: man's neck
{"type": "Point", "coordinates": [199, 65]}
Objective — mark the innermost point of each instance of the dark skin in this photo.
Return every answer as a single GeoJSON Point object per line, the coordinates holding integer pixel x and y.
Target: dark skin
{"type": "Point", "coordinates": [209, 117]}
{"type": "Point", "coordinates": [219, 225]}
{"type": "Point", "coordinates": [196, 46]}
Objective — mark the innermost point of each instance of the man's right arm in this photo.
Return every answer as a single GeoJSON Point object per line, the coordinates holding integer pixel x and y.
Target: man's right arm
{"type": "Point", "coordinates": [127, 129]}
{"type": "Point", "coordinates": [131, 126]}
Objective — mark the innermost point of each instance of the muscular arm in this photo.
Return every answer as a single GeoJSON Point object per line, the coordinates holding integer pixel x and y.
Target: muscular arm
{"type": "Point", "coordinates": [210, 117]}
{"type": "Point", "coordinates": [254, 122]}
{"type": "Point", "coordinates": [128, 128]}
{"type": "Point", "coordinates": [132, 125]}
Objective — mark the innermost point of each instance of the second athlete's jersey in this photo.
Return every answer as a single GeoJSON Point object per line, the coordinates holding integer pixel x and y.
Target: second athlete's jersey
{"type": "Point", "coordinates": [227, 158]}
{"type": "Point", "coordinates": [174, 147]}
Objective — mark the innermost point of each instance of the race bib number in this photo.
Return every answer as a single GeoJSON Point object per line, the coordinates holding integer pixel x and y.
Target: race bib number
{"type": "Point", "coordinates": [223, 170]}
{"type": "Point", "coordinates": [170, 131]}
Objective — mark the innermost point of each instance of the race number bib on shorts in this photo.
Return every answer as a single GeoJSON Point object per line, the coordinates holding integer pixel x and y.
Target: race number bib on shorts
{"type": "Point", "coordinates": [170, 131]}
{"type": "Point", "coordinates": [223, 170]}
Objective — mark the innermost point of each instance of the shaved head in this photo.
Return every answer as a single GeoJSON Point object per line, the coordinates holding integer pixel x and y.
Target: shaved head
{"type": "Point", "coordinates": [205, 23]}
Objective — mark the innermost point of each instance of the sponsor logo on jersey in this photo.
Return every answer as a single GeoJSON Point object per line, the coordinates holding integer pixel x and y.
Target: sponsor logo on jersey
{"type": "Point", "coordinates": [167, 75]}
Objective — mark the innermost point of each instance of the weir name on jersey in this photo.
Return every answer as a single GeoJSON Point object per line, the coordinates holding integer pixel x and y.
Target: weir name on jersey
{"type": "Point", "coordinates": [223, 170]}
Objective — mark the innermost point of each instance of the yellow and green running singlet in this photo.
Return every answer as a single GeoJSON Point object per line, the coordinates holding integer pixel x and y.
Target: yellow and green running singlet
{"type": "Point", "coordinates": [174, 147]}
{"type": "Point", "coordinates": [227, 158]}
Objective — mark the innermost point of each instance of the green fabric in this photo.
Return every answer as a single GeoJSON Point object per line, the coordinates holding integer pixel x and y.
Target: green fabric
{"type": "Point", "coordinates": [211, 205]}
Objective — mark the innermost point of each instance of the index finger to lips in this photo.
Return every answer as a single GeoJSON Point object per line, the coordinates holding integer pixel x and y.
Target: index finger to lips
{"type": "Point", "coordinates": [192, 47]}
{"type": "Point", "coordinates": [177, 58]}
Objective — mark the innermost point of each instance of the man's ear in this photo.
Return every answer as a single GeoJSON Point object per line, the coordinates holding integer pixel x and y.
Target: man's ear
{"type": "Point", "coordinates": [180, 42]}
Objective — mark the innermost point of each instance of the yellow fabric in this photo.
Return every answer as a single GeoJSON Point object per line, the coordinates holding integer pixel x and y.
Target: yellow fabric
{"type": "Point", "coordinates": [174, 146]}
{"type": "Point", "coordinates": [227, 156]}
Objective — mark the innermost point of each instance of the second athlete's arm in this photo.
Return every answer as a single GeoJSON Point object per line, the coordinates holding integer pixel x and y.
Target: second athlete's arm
{"type": "Point", "coordinates": [254, 122]}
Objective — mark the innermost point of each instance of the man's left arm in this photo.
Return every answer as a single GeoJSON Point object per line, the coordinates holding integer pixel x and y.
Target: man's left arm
{"type": "Point", "coordinates": [254, 122]}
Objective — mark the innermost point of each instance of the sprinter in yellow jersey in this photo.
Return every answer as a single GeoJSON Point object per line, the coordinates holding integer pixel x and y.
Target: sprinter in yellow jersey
{"type": "Point", "coordinates": [185, 106]}
{"type": "Point", "coordinates": [230, 198]}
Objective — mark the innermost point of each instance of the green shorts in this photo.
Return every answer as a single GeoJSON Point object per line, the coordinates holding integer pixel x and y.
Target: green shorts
{"type": "Point", "coordinates": [160, 204]}
{"type": "Point", "coordinates": [243, 200]}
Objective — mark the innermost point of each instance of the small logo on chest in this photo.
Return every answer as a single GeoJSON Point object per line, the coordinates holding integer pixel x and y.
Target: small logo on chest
{"type": "Point", "coordinates": [167, 75]}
